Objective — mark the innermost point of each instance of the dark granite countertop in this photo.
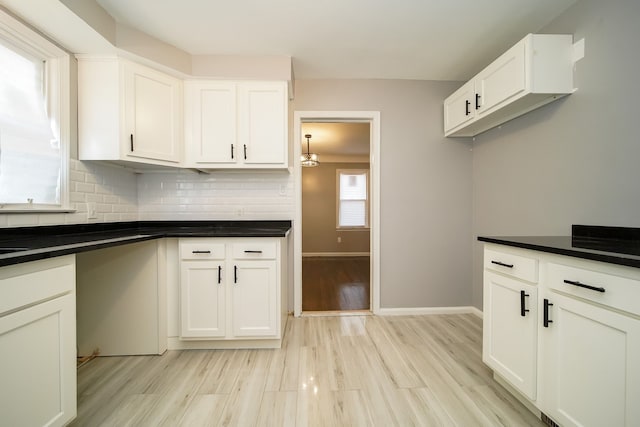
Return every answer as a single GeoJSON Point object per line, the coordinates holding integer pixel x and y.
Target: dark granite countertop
{"type": "Point", "coordinates": [615, 245]}
{"type": "Point", "coordinates": [18, 245]}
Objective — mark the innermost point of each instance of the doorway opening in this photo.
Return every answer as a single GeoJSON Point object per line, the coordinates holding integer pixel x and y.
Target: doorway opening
{"type": "Point", "coordinates": [336, 227]}
{"type": "Point", "coordinates": [335, 216]}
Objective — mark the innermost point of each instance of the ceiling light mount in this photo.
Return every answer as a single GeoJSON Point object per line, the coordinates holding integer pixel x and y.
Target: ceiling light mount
{"type": "Point", "coordinates": [309, 159]}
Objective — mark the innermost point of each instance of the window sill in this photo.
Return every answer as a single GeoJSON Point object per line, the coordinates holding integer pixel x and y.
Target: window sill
{"type": "Point", "coordinates": [12, 210]}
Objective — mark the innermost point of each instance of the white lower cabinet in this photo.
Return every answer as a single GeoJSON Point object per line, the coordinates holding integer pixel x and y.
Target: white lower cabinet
{"type": "Point", "coordinates": [577, 357]}
{"type": "Point", "coordinates": [510, 324]}
{"type": "Point", "coordinates": [230, 289]}
{"type": "Point", "coordinates": [202, 296]}
{"type": "Point", "coordinates": [37, 343]}
{"type": "Point", "coordinates": [254, 299]}
{"type": "Point", "coordinates": [590, 364]}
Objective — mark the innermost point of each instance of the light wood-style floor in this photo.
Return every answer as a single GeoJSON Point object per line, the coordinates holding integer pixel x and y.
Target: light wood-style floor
{"type": "Point", "coordinates": [331, 371]}
{"type": "Point", "coordinates": [335, 283]}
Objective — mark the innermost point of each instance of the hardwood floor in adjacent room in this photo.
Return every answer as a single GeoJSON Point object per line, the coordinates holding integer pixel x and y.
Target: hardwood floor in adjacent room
{"type": "Point", "coordinates": [335, 283]}
{"type": "Point", "coordinates": [331, 371]}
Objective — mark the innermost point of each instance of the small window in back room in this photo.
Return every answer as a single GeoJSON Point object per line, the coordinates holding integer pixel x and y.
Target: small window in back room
{"type": "Point", "coordinates": [33, 147]}
{"type": "Point", "coordinates": [353, 203]}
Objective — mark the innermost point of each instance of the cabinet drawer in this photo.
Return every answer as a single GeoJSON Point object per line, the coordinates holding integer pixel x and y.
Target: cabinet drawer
{"type": "Point", "coordinates": [513, 265]}
{"type": "Point", "coordinates": [32, 282]}
{"type": "Point", "coordinates": [254, 250]}
{"type": "Point", "coordinates": [607, 289]}
{"type": "Point", "coordinates": [194, 249]}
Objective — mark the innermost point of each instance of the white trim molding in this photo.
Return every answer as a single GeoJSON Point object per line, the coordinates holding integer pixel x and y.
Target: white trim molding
{"type": "Point", "coordinates": [372, 117]}
{"type": "Point", "coordinates": [416, 311]}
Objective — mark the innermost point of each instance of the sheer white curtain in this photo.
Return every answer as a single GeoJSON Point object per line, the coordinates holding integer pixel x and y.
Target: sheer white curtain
{"type": "Point", "coordinates": [29, 149]}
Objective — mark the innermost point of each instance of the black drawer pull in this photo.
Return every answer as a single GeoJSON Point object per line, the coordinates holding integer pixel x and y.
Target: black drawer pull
{"type": "Point", "coordinates": [235, 274]}
{"type": "Point", "coordinates": [545, 319]}
{"type": "Point", "coordinates": [466, 107]}
{"type": "Point", "coordinates": [131, 143]}
{"type": "Point", "coordinates": [245, 151]}
{"type": "Point", "coordinates": [502, 264]}
{"type": "Point", "coordinates": [231, 151]}
{"type": "Point", "coordinates": [477, 101]}
{"type": "Point", "coordinates": [582, 285]}
{"type": "Point", "coordinates": [219, 274]}
{"type": "Point", "coordinates": [200, 252]}
{"type": "Point", "coordinates": [523, 310]}
{"type": "Point", "coordinates": [252, 252]}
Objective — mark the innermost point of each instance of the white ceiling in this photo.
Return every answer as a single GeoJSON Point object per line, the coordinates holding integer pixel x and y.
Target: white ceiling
{"type": "Point", "coordinates": [401, 39]}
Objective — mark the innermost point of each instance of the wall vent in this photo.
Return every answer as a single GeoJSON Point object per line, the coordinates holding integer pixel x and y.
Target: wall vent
{"type": "Point", "coordinates": [548, 421]}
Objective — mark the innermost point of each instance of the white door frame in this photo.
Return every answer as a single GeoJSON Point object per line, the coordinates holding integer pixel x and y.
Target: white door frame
{"type": "Point", "coordinates": [372, 117]}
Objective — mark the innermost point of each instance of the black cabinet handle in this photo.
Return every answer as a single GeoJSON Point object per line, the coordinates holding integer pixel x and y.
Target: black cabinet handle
{"type": "Point", "coordinates": [219, 274]}
{"type": "Point", "coordinates": [477, 101]}
{"type": "Point", "coordinates": [200, 252]}
{"type": "Point", "coordinates": [545, 319]}
{"type": "Point", "coordinates": [245, 151]}
{"type": "Point", "coordinates": [252, 252]}
{"type": "Point", "coordinates": [523, 310]}
{"type": "Point", "coordinates": [502, 264]}
{"type": "Point", "coordinates": [232, 151]}
{"type": "Point", "coordinates": [235, 274]}
{"type": "Point", "coordinates": [582, 285]}
{"type": "Point", "coordinates": [131, 139]}
{"type": "Point", "coordinates": [466, 107]}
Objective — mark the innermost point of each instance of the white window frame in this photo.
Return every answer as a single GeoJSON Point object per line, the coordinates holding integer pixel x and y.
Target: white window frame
{"type": "Point", "coordinates": [57, 82]}
{"type": "Point", "coordinates": [367, 201]}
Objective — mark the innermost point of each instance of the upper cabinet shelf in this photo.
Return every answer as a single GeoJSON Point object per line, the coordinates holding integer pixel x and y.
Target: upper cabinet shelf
{"type": "Point", "coordinates": [534, 72]}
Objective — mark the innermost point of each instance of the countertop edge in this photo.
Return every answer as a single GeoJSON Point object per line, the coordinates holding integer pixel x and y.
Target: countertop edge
{"type": "Point", "coordinates": [280, 229]}
{"type": "Point", "coordinates": [607, 257]}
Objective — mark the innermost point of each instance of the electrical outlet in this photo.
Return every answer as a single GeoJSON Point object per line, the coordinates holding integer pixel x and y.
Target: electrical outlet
{"type": "Point", "coordinates": [283, 189]}
{"type": "Point", "coordinates": [339, 239]}
{"type": "Point", "coordinates": [92, 211]}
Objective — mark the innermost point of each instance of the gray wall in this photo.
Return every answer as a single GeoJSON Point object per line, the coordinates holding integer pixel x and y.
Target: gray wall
{"type": "Point", "coordinates": [575, 161]}
{"type": "Point", "coordinates": [319, 204]}
{"type": "Point", "coordinates": [425, 187]}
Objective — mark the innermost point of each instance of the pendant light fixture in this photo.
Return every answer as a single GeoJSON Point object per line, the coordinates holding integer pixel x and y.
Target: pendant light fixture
{"type": "Point", "coordinates": [309, 160]}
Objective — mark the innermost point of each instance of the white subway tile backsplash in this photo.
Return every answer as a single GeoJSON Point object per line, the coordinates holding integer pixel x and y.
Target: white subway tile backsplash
{"type": "Point", "coordinates": [220, 195]}
{"type": "Point", "coordinates": [122, 195]}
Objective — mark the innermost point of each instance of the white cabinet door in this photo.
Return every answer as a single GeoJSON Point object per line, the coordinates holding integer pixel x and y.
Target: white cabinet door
{"type": "Point", "coordinates": [590, 370]}
{"type": "Point", "coordinates": [210, 123]}
{"type": "Point", "coordinates": [254, 298]}
{"type": "Point", "coordinates": [459, 107]}
{"type": "Point", "coordinates": [152, 113]}
{"type": "Point", "coordinates": [202, 299]}
{"type": "Point", "coordinates": [263, 123]}
{"type": "Point", "coordinates": [38, 368]}
{"type": "Point", "coordinates": [501, 80]}
{"type": "Point", "coordinates": [510, 331]}
{"type": "Point", "coordinates": [128, 112]}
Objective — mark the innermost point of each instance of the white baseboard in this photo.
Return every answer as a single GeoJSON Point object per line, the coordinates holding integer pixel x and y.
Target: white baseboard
{"type": "Point", "coordinates": [413, 311]}
{"type": "Point", "coordinates": [333, 254]}
{"type": "Point", "coordinates": [477, 312]}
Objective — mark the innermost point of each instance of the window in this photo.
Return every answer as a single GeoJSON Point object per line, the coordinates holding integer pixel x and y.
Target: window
{"type": "Point", "coordinates": [34, 120]}
{"type": "Point", "coordinates": [353, 198]}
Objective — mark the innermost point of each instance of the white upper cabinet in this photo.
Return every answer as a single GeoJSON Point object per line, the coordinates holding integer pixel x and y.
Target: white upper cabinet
{"type": "Point", "coordinates": [534, 72]}
{"type": "Point", "coordinates": [236, 124]}
{"type": "Point", "coordinates": [458, 108]}
{"type": "Point", "coordinates": [128, 112]}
